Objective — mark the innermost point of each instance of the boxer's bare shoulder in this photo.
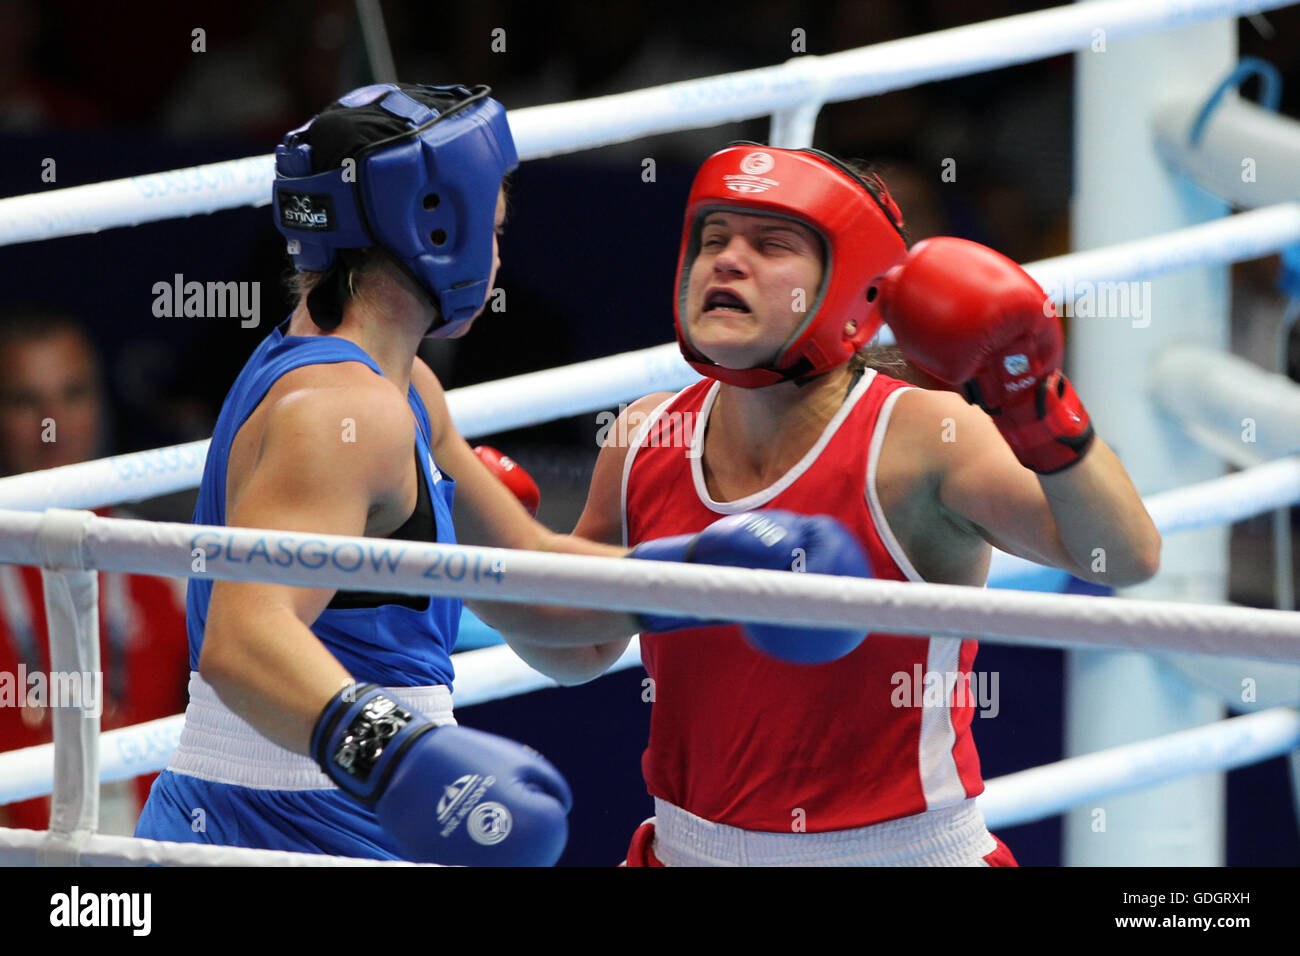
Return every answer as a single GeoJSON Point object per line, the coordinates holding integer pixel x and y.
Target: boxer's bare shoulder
{"type": "Point", "coordinates": [602, 518]}
{"type": "Point", "coordinates": [926, 432]}
{"type": "Point", "coordinates": [337, 424]}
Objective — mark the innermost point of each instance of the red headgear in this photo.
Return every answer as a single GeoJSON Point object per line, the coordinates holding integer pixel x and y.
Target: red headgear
{"type": "Point", "coordinates": [861, 237]}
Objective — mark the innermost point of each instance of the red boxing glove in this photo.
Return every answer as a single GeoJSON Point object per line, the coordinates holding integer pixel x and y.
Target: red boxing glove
{"type": "Point", "coordinates": [518, 481]}
{"type": "Point", "coordinates": [971, 317]}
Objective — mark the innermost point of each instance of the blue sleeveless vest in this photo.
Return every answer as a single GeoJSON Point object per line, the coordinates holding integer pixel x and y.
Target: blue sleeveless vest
{"type": "Point", "coordinates": [390, 644]}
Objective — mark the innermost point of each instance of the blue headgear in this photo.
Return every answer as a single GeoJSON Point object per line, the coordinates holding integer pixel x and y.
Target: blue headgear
{"type": "Point", "coordinates": [426, 195]}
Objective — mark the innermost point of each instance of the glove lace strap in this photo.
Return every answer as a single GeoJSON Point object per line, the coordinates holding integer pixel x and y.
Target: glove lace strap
{"type": "Point", "coordinates": [1048, 434]}
{"type": "Point", "coordinates": [359, 736]}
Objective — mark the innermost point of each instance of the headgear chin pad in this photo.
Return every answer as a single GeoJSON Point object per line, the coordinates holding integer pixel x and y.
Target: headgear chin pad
{"type": "Point", "coordinates": [426, 195]}
{"type": "Point", "coordinates": [861, 234]}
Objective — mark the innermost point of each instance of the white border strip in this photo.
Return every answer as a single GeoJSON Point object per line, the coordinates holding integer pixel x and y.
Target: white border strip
{"type": "Point", "coordinates": [1213, 502]}
{"type": "Point", "coordinates": [1054, 788]}
{"type": "Point", "coordinates": [705, 591]}
{"type": "Point", "coordinates": [583, 387]}
{"type": "Point", "coordinates": [539, 131]}
{"type": "Point", "coordinates": [24, 848]}
{"type": "Point", "coordinates": [491, 673]}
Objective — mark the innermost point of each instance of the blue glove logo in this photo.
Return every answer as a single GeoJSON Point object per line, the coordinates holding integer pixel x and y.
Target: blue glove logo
{"type": "Point", "coordinates": [489, 824]}
{"type": "Point", "coordinates": [761, 527]}
{"type": "Point", "coordinates": [460, 798]}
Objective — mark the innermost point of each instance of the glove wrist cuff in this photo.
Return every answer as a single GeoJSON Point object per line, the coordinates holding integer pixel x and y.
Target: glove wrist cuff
{"type": "Point", "coordinates": [359, 736]}
{"type": "Point", "coordinates": [680, 548]}
{"type": "Point", "coordinates": [1050, 429]}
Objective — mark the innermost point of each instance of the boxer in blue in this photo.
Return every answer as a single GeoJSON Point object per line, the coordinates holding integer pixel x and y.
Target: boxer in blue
{"type": "Point", "coordinates": [321, 720]}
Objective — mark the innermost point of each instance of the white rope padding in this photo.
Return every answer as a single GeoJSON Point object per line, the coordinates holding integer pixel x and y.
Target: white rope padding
{"type": "Point", "coordinates": [124, 754]}
{"type": "Point", "coordinates": [705, 591]}
{"type": "Point", "coordinates": [852, 74]}
{"type": "Point", "coordinates": [1216, 501]}
{"type": "Point", "coordinates": [1213, 502]}
{"type": "Point", "coordinates": [1230, 397]}
{"type": "Point", "coordinates": [1236, 238]}
{"type": "Point", "coordinates": [1044, 791]}
{"type": "Point", "coordinates": [482, 675]}
{"type": "Point", "coordinates": [1011, 800]}
{"type": "Point", "coordinates": [822, 83]}
{"type": "Point", "coordinates": [1022, 797]}
{"type": "Point", "coordinates": [108, 481]}
{"type": "Point", "coordinates": [805, 81]}
{"type": "Point", "coordinates": [584, 387]}
{"type": "Point", "coordinates": [1237, 128]}
{"type": "Point", "coordinates": [490, 673]}
{"type": "Point", "coordinates": [1228, 498]}
{"type": "Point", "coordinates": [25, 848]}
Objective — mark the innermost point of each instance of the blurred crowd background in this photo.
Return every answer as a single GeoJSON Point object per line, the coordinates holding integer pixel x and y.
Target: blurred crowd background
{"type": "Point", "coordinates": [109, 91]}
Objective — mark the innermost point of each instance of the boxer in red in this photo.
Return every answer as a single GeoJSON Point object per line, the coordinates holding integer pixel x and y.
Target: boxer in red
{"type": "Point", "coordinates": [790, 261]}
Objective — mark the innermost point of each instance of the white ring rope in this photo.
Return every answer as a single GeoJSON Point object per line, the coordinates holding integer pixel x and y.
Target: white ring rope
{"type": "Point", "coordinates": [1216, 501]}
{"type": "Point", "coordinates": [810, 600]}
{"type": "Point", "coordinates": [1227, 499]}
{"type": "Point", "coordinates": [1228, 396]}
{"type": "Point", "coordinates": [26, 847]}
{"type": "Point", "coordinates": [1030, 795]}
{"type": "Point", "coordinates": [794, 91]}
{"type": "Point", "coordinates": [582, 124]}
{"type": "Point", "coordinates": [123, 755]}
{"type": "Point", "coordinates": [1236, 238]}
{"type": "Point", "coordinates": [487, 674]}
{"type": "Point", "coordinates": [1007, 801]}
{"type": "Point", "coordinates": [584, 387]}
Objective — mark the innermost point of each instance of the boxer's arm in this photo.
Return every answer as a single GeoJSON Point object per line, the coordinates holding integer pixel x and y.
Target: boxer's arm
{"type": "Point", "coordinates": [488, 514]}
{"type": "Point", "coordinates": [601, 521]}
{"type": "Point", "coordinates": [602, 515]}
{"type": "Point", "coordinates": [1060, 520]}
{"type": "Point", "coordinates": [258, 651]}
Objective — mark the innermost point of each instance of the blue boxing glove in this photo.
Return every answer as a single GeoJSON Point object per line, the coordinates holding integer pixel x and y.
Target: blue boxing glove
{"type": "Point", "coordinates": [773, 541]}
{"type": "Point", "coordinates": [443, 794]}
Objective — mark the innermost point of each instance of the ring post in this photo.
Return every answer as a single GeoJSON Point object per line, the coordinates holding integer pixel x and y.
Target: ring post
{"type": "Point", "coordinates": [1122, 191]}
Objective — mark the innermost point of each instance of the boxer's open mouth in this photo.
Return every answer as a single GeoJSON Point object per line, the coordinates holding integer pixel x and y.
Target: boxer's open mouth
{"type": "Point", "coordinates": [724, 300]}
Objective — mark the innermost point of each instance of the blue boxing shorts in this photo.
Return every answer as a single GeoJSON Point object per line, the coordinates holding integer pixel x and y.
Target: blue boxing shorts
{"type": "Point", "coordinates": [227, 785]}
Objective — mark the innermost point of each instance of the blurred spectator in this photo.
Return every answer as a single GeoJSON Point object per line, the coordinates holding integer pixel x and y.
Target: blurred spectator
{"type": "Point", "coordinates": [30, 99]}
{"type": "Point", "coordinates": [51, 414]}
{"type": "Point", "coordinates": [298, 55]}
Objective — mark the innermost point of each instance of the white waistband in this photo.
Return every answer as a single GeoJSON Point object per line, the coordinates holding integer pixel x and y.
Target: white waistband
{"type": "Point", "coordinates": [219, 745]}
{"type": "Point", "coordinates": [951, 836]}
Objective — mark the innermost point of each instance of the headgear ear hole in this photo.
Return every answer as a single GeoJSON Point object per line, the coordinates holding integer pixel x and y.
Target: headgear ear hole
{"type": "Point", "coordinates": [872, 292]}
{"type": "Point", "coordinates": [438, 237]}
{"type": "Point", "coordinates": [431, 201]}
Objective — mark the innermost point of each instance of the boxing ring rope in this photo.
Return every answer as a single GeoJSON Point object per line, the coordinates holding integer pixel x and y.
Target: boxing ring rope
{"type": "Point", "coordinates": [795, 90]}
{"type": "Point", "coordinates": [583, 387]}
{"type": "Point", "coordinates": [31, 848]}
{"type": "Point", "coordinates": [705, 591]}
{"type": "Point", "coordinates": [801, 85]}
{"type": "Point", "coordinates": [495, 673]}
{"type": "Point", "coordinates": [483, 675]}
{"type": "Point", "coordinates": [805, 599]}
{"type": "Point", "coordinates": [1018, 798]}
{"type": "Point", "coordinates": [1029, 795]}
{"type": "Point", "coordinates": [1014, 799]}
{"type": "Point", "coordinates": [1223, 500]}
